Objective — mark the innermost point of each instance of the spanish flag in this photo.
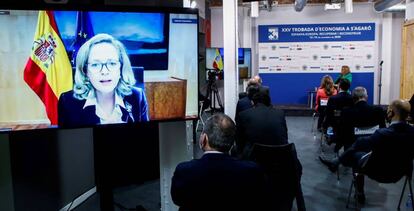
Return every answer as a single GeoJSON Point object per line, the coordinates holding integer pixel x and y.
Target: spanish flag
{"type": "Point", "coordinates": [48, 71]}
{"type": "Point", "coordinates": [218, 61]}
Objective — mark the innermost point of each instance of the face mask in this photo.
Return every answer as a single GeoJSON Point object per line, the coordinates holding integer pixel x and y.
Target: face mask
{"type": "Point", "coordinates": [200, 143]}
{"type": "Point", "coordinates": [390, 115]}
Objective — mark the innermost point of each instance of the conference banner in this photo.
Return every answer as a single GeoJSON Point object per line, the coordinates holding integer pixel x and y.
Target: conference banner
{"type": "Point", "coordinates": [317, 48]}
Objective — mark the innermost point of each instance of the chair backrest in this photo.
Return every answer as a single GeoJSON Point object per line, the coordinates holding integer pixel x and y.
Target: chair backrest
{"type": "Point", "coordinates": [362, 131]}
{"type": "Point", "coordinates": [280, 164]}
{"type": "Point", "coordinates": [276, 157]}
{"type": "Point", "coordinates": [139, 76]}
{"type": "Point", "coordinates": [390, 162]}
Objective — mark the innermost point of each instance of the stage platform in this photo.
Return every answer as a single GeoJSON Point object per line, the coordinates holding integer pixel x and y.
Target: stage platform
{"type": "Point", "coordinates": [296, 110]}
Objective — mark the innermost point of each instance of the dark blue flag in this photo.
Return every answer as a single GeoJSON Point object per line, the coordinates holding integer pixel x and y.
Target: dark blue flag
{"type": "Point", "coordinates": [84, 32]}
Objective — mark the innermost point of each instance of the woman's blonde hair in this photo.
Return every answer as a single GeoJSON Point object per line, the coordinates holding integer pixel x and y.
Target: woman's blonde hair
{"type": "Point", "coordinates": [345, 70]}
{"type": "Point", "coordinates": [83, 86]}
{"type": "Point", "coordinates": [327, 84]}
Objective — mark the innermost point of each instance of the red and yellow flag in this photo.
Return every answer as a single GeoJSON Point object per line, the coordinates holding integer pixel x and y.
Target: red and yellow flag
{"type": "Point", "coordinates": [48, 71]}
{"type": "Point", "coordinates": [218, 61]}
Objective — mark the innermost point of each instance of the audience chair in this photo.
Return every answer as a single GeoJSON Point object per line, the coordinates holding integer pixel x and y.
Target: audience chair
{"type": "Point", "coordinates": [322, 111]}
{"type": "Point", "coordinates": [283, 170]}
{"type": "Point", "coordinates": [364, 131]}
{"type": "Point", "coordinates": [372, 165]}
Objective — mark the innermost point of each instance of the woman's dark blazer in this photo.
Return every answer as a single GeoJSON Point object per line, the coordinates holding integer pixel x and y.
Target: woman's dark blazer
{"type": "Point", "coordinates": [72, 114]}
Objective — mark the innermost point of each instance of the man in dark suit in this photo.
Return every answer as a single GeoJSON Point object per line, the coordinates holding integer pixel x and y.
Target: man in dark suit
{"type": "Point", "coordinates": [261, 124]}
{"type": "Point", "coordinates": [337, 103]}
{"type": "Point", "coordinates": [245, 102]}
{"type": "Point", "coordinates": [391, 146]}
{"type": "Point", "coordinates": [217, 181]}
{"type": "Point", "coordinates": [361, 115]}
{"type": "Point", "coordinates": [264, 124]}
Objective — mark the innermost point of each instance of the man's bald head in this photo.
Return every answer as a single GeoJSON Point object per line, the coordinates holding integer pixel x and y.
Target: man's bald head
{"type": "Point", "coordinates": [258, 79]}
{"type": "Point", "coordinates": [399, 109]}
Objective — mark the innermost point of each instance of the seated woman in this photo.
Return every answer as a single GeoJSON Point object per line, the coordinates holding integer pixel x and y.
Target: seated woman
{"type": "Point", "coordinates": [325, 90]}
{"type": "Point", "coordinates": [345, 74]}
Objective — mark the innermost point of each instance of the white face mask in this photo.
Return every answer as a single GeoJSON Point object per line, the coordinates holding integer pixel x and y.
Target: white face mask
{"type": "Point", "coordinates": [202, 141]}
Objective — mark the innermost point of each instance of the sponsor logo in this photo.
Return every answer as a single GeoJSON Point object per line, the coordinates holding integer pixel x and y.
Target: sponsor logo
{"type": "Point", "coordinates": [273, 33]}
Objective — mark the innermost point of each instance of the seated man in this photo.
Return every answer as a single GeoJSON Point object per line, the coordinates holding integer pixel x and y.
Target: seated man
{"type": "Point", "coordinates": [261, 124]}
{"type": "Point", "coordinates": [337, 103]}
{"type": "Point", "coordinates": [245, 103]}
{"type": "Point", "coordinates": [266, 125]}
{"type": "Point", "coordinates": [218, 181]}
{"type": "Point", "coordinates": [361, 114]}
{"type": "Point", "coordinates": [255, 80]}
{"type": "Point", "coordinates": [386, 143]}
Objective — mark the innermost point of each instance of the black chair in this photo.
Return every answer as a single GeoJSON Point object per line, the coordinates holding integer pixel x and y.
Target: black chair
{"type": "Point", "coordinates": [139, 76]}
{"type": "Point", "coordinates": [283, 170]}
{"type": "Point", "coordinates": [372, 165]}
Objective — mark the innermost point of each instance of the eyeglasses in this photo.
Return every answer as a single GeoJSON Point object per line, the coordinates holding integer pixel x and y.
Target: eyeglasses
{"type": "Point", "coordinates": [98, 66]}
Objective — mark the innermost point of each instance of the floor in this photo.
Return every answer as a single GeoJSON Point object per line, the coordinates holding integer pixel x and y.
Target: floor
{"type": "Point", "coordinates": [322, 190]}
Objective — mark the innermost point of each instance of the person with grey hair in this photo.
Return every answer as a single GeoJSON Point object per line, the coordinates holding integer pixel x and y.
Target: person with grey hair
{"type": "Point", "coordinates": [391, 150]}
{"type": "Point", "coordinates": [361, 115]}
{"type": "Point", "coordinates": [218, 181]}
{"type": "Point", "coordinates": [103, 91]}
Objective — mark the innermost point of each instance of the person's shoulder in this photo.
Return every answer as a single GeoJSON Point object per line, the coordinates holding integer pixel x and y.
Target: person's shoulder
{"type": "Point", "coordinates": [187, 165]}
{"type": "Point", "coordinates": [246, 166]}
{"type": "Point", "coordinates": [320, 91]}
{"type": "Point", "coordinates": [136, 96]}
{"type": "Point", "coordinates": [68, 98]}
{"type": "Point", "coordinates": [67, 94]}
{"type": "Point", "coordinates": [247, 112]}
{"type": "Point", "coordinates": [137, 90]}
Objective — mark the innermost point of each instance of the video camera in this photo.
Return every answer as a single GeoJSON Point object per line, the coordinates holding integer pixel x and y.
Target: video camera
{"type": "Point", "coordinates": [214, 74]}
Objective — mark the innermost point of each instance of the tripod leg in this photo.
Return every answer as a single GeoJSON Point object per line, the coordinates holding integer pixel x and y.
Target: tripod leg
{"type": "Point", "coordinates": [219, 100]}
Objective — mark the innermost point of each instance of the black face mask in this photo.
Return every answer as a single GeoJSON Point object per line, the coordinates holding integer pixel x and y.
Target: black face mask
{"type": "Point", "coordinates": [390, 115]}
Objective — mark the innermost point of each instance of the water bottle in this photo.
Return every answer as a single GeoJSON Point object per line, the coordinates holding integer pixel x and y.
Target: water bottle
{"type": "Point", "coordinates": [409, 203]}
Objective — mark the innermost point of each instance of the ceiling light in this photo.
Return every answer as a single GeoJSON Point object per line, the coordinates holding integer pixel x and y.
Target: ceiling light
{"type": "Point", "coordinates": [254, 9]}
{"type": "Point", "coordinates": [193, 4]}
{"type": "Point", "coordinates": [348, 6]}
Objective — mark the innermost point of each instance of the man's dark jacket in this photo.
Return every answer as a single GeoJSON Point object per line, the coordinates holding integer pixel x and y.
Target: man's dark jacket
{"type": "Point", "coordinates": [260, 124]}
{"type": "Point", "coordinates": [392, 152]}
{"type": "Point", "coordinates": [360, 115]}
{"type": "Point", "coordinates": [219, 182]}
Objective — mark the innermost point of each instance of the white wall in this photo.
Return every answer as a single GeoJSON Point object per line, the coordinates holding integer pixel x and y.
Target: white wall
{"type": "Point", "coordinates": [363, 12]}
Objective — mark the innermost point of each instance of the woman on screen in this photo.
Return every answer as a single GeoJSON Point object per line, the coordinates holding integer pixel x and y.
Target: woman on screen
{"type": "Point", "coordinates": [104, 91]}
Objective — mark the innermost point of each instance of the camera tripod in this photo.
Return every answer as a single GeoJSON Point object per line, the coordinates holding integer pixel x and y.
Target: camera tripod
{"type": "Point", "coordinates": [212, 91]}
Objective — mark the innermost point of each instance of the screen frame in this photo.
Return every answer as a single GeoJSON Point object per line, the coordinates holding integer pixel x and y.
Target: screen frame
{"type": "Point", "coordinates": [99, 6]}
